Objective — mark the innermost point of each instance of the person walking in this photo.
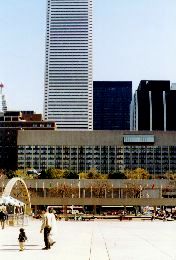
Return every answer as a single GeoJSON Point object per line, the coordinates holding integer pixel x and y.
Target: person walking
{"type": "Point", "coordinates": [22, 238]}
{"type": "Point", "coordinates": [53, 232]}
{"type": "Point", "coordinates": [46, 226]}
{"type": "Point", "coordinates": [2, 218]}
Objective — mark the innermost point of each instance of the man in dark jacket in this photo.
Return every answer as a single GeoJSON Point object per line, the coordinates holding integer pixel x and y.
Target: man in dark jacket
{"type": "Point", "coordinates": [2, 218]}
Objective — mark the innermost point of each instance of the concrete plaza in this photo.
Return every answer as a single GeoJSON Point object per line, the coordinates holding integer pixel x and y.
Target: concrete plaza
{"type": "Point", "coordinates": [95, 240]}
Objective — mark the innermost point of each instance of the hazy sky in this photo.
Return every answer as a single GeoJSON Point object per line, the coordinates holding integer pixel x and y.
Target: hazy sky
{"type": "Point", "coordinates": [133, 40]}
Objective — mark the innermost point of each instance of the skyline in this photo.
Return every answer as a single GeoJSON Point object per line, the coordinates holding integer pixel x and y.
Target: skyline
{"type": "Point", "coordinates": [136, 43]}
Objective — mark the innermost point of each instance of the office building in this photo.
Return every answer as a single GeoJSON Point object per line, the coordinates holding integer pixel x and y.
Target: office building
{"type": "Point", "coordinates": [111, 105]}
{"type": "Point", "coordinates": [107, 151]}
{"type": "Point", "coordinates": [153, 106]}
{"type": "Point", "coordinates": [68, 68]}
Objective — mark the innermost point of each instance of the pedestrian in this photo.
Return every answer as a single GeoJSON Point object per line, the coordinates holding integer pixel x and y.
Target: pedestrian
{"type": "Point", "coordinates": [153, 217]}
{"type": "Point", "coordinates": [46, 226]}
{"type": "Point", "coordinates": [22, 238]}
{"type": "Point", "coordinates": [6, 217]}
{"type": "Point", "coordinates": [53, 232]}
{"type": "Point", "coordinates": [121, 217]}
{"type": "Point", "coordinates": [2, 218]}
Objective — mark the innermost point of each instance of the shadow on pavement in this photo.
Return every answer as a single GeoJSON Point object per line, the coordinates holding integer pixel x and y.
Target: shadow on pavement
{"type": "Point", "coordinates": [17, 249]}
{"type": "Point", "coordinates": [18, 245]}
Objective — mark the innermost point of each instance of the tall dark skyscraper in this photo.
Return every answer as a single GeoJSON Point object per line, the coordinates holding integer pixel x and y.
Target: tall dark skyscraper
{"type": "Point", "coordinates": [153, 106]}
{"type": "Point", "coordinates": [111, 105]}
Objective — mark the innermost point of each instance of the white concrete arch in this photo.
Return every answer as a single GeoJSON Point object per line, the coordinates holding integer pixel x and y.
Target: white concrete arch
{"type": "Point", "coordinates": [26, 197]}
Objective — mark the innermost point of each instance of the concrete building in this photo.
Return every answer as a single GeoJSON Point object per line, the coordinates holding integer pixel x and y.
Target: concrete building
{"type": "Point", "coordinates": [68, 90]}
{"type": "Point", "coordinates": [107, 151]}
{"type": "Point", "coordinates": [153, 105]}
{"type": "Point", "coordinates": [10, 123]}
{"type": "Point", "coordinates": [111, 105]}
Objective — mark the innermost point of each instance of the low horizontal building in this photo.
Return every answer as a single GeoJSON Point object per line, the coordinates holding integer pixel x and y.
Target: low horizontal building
{"type": "Point", "coordinates": [107, 151]}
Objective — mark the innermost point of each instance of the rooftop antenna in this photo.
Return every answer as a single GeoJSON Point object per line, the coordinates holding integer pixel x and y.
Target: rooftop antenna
{"type": "Point", "coordinates": [3, 106]}
{"type": "Point", "coordinates": [1, 87]}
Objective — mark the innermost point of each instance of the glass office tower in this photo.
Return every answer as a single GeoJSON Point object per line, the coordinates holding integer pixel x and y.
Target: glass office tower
{"type": "Point", "coordinates": [111, 105]}
{"type": "Point", "coordinates": [68, 67]}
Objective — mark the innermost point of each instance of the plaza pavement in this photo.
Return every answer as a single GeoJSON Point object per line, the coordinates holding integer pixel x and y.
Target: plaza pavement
{"type": "Point", "coordinates": [95, 240]}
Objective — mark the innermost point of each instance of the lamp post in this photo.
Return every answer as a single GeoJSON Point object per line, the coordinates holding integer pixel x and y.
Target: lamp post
{"type": "Point", "coordinates": [79, 187]}
{"type": "Point", "coordinates": [112, 195]}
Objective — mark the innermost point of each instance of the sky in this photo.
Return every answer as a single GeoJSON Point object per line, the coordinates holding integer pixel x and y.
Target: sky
{"type": "Point", "coordinates": [132, 40]}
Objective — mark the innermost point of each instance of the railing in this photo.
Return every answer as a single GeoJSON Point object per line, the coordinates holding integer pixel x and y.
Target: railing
{"type": "Point", "coordinates": [96, 188]}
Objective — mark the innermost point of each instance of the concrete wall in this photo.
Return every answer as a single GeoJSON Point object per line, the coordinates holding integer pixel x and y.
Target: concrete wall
{"type": "Point", "coordinates": [46, 137]}
{"type": "Point", "coordinates": [100, 201]}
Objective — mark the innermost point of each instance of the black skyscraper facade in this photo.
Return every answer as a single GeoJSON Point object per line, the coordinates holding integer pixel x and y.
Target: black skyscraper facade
{"type": "Point", "coordinates": [154, 106]}
{"type": "Point", "coordinates": [111, 105]}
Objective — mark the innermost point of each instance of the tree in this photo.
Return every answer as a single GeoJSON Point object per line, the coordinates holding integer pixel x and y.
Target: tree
{"type": "Point", "coordinates": [3, 174]}
{"type": "Point", "coordinates": [100, 188]}
{"type": "Point", "coordinates": [83, 175]}
{"type": "Point", "coordinates": [52, 173]}
{"type": "Point", "coordinates": [170, 175]}
{"type": "Point", "coordinates": [133, 190]}
{"type": "Point", "coordinates": [21, 174]}
{"type": "Point", "coordinates": [10, 174]}
{"type": "Point", "coordinates": [70, 174]}
{"type": "Point", "coordinates": [93, 174]}
{"type": "Point", "coordinates": [64, 190]}
{"type": "Point", "coordinates": [116, 175]}
{"type": "Point", "coordinates": [138, 173]}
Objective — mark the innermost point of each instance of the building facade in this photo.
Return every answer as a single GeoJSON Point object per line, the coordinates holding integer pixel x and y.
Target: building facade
{"type": "Point", "coordinates": [107, 151]}
{"type": "Point", "coordinates": [111, 105]}
{"type": "Point", "coordinates": [10, 123]}
{"type": "Point", "coordinates": [68, 90]}
{"type": "Point", "coordinates": [153, 105]}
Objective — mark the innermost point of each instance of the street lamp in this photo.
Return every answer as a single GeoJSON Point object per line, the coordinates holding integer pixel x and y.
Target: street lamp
{"type": "Point", "coordinates": [79, 187]}
{"type": "Point", "coordinates": [112, 195]}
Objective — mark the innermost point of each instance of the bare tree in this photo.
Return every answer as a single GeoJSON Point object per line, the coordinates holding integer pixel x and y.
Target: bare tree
{"type": "Point", "coordinates": [64, 190]}
{"type": "Point", "coordinates": [100, 188]}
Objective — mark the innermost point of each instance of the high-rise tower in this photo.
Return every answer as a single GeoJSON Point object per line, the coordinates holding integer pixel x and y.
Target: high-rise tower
{"type": "Point", "coordinates": [153, 106]}
{"type": "Point", "coordinates": [68, 69]}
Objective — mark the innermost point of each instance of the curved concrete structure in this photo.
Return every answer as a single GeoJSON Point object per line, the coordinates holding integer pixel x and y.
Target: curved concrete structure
{"type": "Point", "coordinates": [23, 191]}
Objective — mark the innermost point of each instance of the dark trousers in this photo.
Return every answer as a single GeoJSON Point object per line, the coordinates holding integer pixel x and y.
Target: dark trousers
{"type": "Point", "coordinates": [2, 223]}
{"type": "Point", "coordinates": [46, 236]}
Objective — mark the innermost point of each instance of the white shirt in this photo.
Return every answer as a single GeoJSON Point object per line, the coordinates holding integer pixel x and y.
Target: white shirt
{"type": "Point", "coordinates": [47, 220]}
